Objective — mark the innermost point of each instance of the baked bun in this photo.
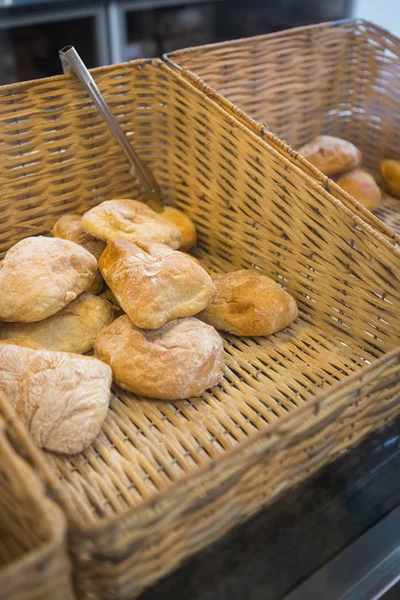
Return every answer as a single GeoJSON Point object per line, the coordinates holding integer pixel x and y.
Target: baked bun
{"type": "Point", "coordinates": [390, 170]}
{"type": "Point", "coordinates": [248, 303]}
{"type": "Point", "coordinates": [68, 227]}
{"type": "Point", "coordinates": [154, 284]}
{"type": "Point", "coordinates": [62, 398]}
{"type": "Point", "coordinates": [331, 155]}
{"type": "Point", "coordinates": [181, 360]}
{"type": "Point", "coordinates": [196, 260]}
{"type": "Point", "coordinates": [39, 276]}
{"type": "Point", "coordinates": [73, 329]}
{"type": "Point", "coordinates": [131, 220]}
{"type": "Point", "coordinates": [185, 224]}
{"type": "Point", "coordinates": [362, 186]}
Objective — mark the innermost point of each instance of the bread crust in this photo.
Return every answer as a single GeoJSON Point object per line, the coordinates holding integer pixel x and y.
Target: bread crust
{"type": "Point", "coordinates": [131, 220]}
{"type": "Point", "coordinates": [331, 155]}
{"type": "Point", "coordinates": [362, 186]}
{"type": "Point", "coordinates": [185, 224]}
{"type": "Point", "coordinates": [68, 227]}
{"type": "Point", "coordinates": [250, 304]}
{"type": "Point", "coordinates": [62, 398]}
{"type": "Point", "coordinates": [154, 284]}
{"type": "Point", "coordinates": [73, 329]}
{"type": "Point", "coordinates": [39, 276]}
{"type": "Point", "coordinates": [181, 360]}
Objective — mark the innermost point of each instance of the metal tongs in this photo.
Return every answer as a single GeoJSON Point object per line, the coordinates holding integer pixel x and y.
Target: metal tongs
{"type": "Point", "coordinates": [72, 62]}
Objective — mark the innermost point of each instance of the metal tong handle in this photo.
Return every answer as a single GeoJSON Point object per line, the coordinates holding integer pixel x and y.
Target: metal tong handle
{"type": "Point", "coordinates": [72, 62]}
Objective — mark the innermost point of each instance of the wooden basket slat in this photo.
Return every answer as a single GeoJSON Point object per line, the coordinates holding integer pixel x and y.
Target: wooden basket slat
{"type": "Point", "coordinates": [334, 78]}
{"type": "Point", "coordinates": [33, 556]}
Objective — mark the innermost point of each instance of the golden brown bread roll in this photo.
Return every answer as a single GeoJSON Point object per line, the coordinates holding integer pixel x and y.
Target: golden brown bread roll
{"type": "Point", "coordinates": [390, 170]}
{"type": "Point", "coordinates": [62, 398]}
{"type": "Point", "coordinates": [196, 260]}
{"type": "Point", "coordinates": [131, 220]}
{"type": "Point", "coordinates": [73, 329]}
{"type": "Point", "coordinates": [185, 224]}
{"type": "Point", "coordinates": [248, 303]}
{"type": "Point", "coordinates": [181, 360]}
{"type": "Point", "coordinates": [154, 284]}
{"type": "Point", "coordinates": [39, 276]}
{"type": "Point", "coordinates": [362, 186]}
{"type": "Point", "coordinates": [24, 342]}
{"type": "Point", "coordinates": [331, 155]}
{"type": "Point", "coordinates": [68, 227]}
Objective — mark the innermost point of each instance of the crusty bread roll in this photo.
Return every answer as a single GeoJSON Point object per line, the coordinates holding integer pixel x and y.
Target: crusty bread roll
{"type": "Point", "coordinates": [39, 276]}
{"type": "Point", "coordinates": [68, 227]}
{"type": "Point", "coordinates": [154, 284]}
{"type": "Point", "coordinates": [131, 220]}
{"type": "Point", "coordinates": [331, 155]}
{"type": "Point", "coordinates": [390, 170]}
{"type": "Point", "coordinates": [73, 329]}
{"type": "Point", "coordinates": [362, 186]}
{"type": "Point", "coordinates": [62, 398]}
{"type": "Point", "coordinates": [185, 224]}
{"type": "Point", "coordinates": [248, 303]}
{"type": "Point", "coordinates": [181, 360]}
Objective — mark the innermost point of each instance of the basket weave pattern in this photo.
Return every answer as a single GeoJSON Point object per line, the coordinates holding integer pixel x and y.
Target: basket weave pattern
{"type": "Point", "coordinates": [33, 559]}
{"type": "Point", "coordinates": [164, 479]}
{"type": "Point", "coordinates": [338, 79]}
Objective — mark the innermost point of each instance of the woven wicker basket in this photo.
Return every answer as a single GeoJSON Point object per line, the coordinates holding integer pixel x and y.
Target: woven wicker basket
{"type": "Point", "coordinates": [33, 557]}
{"type": "Point", "coordinates": [164, 479]}
{"type": "Point", "coordinates": [335, 78]}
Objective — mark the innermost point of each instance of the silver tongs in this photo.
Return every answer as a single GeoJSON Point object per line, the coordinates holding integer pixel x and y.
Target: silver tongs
{"type": "Point", "coordinates": [72, 62]}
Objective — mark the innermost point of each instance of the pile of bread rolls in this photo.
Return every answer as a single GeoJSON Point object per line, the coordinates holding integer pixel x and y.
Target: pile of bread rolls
{"type": "Point", "coordinates": [152, 329]}
{"type": "Point", "coordinates": [341, 160]}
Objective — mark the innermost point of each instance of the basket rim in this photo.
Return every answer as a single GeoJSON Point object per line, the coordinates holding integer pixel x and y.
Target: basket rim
{"type": "Point", "coordinates": [324, 400]}
{"type": "Point", "coordinates": [263, 130]}
{"type": "Point", "coordinates": [56, 519]}
{"type": "Point", "coordinates": [276, 34]}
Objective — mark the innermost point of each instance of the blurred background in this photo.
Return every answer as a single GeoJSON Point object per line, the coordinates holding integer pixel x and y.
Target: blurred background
{"type": "Point", "coordinates": [111, 31]}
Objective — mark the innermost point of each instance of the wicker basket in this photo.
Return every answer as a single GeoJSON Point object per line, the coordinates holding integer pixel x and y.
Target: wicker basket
{"type": "Point", "coordinates": [33, 557]}
{"type": "Point", "coordinates": [164, 479]}
{"type": "Point", "coordinates": [335, 78]}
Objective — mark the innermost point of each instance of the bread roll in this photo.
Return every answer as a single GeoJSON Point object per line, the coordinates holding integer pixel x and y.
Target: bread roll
{"type": "Point", "coordinates": [68, 227]}
{"type": "Point", "coordinates": [362, 186]}
{"type": "Point", "coordinates": [331, 155]}
{"type": "Point", "coordinates": [73, 329]}
{"type": "Point", "coordinates": [196, 260]}
{"type": "Point", "coordinates": [248, 303]}
{"type": "Point", "coordinates": [154, 284]}
{"type": "Point", "coordinates": [39, 276]}
{"type": "Point", "coordinates": [181, 360]}
{"type": "Point", "coordinates": [390, 170]}
{"type": "Point", "coordinates": [131, 220]}
{"type": "Point", "coordinates": [62, 398]}
{"type": "Point", "coordinates": [185, 224]}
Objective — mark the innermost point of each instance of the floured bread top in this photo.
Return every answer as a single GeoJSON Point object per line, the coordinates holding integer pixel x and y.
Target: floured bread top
{"type": "Point", "coordinates": [40, 275]}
